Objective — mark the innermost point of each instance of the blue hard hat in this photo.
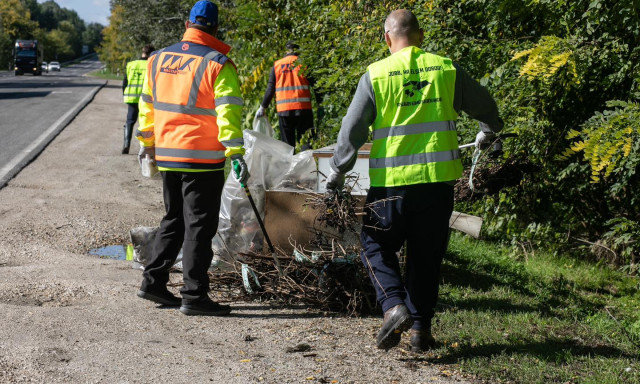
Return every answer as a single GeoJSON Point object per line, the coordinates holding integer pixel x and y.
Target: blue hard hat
{"type": "Point", "coordinates": [206, 10]}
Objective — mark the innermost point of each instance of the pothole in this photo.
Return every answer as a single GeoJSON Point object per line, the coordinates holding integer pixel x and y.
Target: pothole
{"type": "Point", "coordinates": [113, 252]}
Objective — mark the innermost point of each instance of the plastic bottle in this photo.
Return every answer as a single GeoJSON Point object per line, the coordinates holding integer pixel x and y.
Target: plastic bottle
{"type": "Point", "coordinates": [148, 167]}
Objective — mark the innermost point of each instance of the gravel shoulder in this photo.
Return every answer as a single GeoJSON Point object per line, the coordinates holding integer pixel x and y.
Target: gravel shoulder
{"type": "Point", "coordinates": [68, 317]}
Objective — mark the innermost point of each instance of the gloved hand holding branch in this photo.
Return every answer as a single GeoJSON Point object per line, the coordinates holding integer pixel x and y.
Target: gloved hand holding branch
{"type": "Point", "coordinates": [335, 181]}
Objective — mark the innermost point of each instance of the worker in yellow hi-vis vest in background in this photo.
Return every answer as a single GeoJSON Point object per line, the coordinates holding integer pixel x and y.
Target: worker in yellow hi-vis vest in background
{"type": "Point", "coordinates": [410, 102]}
{"type": "Point", "coordinates": [131, 90]}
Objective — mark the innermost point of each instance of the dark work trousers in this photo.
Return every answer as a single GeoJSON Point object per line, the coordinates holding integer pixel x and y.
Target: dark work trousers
{"type": "Point", "coordinates": [132, 117]}
{"type": "Point", "coordinates": [132, 114]}
{"type": "Point", "coordinates": [421, 218]}
{"type": "Point", "coordinates": [293, 127]}
{"type": "Point", "coordinates": [192, 204]}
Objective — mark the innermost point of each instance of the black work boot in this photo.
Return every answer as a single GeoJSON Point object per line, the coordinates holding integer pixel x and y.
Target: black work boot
{"type": "Point", "coordinates": [396, 320]}
{"type": "Point", "coordinates": [160, 296]}
{"type": "Point", "coordinates": [128, 129]}
{"type": "Point", "coordinates": [204, 307]}
{"type": "Point", "coordinates": [422, 340]}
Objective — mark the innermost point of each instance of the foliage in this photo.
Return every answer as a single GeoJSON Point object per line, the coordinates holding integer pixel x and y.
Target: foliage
{"type": "Point", "coordinates": [60, 30]}
{"type": "Point", "coordinates": [562, 73]}
{"type": "Point", "coordinates": [623, 236]}
{"type": "Point", "coordinates": [607, 139]}
{"type": "Point", "coordinates": [128, 32]}
{"type": "Point", "coordinates": [115, 50]}
{"type": "Point", "coordinates": [15, 22]}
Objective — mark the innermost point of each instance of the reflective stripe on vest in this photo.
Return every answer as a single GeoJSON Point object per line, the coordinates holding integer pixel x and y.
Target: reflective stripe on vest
{"type": "Point", "coordinates": [135, 77]}
{"type": "Point", "coordinates": [186, 131]}
{"type": "Point", "coordinates": [190, 108]}
{"type": "Point", "coordinates": [292, 88]}
{"type": "Point", "coordinates": [190, 153]}
{"type": "Point", "coordinates": [414, 134]}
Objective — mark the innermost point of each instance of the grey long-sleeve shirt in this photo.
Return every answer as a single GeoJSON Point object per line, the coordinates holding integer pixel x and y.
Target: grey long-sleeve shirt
{"type": "Point", "coordinates": [469, 97]}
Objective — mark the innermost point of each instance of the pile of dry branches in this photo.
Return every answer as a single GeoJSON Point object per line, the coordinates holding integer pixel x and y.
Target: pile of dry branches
{"type": "Point", "coordinates": [321, 279]}
{"type": "Point", "coordinates": [335, 210]}
{"type": "Point", "coordinates": [326, 273]}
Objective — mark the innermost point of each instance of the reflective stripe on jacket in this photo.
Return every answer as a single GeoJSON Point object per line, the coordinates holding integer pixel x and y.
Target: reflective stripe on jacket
{"type": "Point", "coordinates": [292, 88]}
{"type": "Point", "coordinates": [414, 133]}
{"type": "Point", "coordinates": [191, 105]}
{"type": "Point", "coordinates": [136, 70]}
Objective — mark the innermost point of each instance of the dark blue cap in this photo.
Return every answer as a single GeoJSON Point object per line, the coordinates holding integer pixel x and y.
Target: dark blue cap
{"type": "Point", "coordinates": [206, 10]}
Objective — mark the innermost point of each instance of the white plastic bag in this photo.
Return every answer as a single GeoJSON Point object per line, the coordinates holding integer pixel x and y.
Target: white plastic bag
{"type": "Point", "coordinates": [148, 167]}
{"type": "Point", "coordinates": [142, 239]}
{"type": "Point", "coordinates": [261, 124]}
{"type": "Point", "coordinates": [272, 165]}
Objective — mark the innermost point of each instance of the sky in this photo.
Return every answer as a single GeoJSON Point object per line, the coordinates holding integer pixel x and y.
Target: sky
{"type": "Point", "coordinates": [91, 11]}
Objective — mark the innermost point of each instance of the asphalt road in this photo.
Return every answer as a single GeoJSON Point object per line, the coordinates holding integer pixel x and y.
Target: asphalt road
{"type": "Point", "coordinates": [32, 107]}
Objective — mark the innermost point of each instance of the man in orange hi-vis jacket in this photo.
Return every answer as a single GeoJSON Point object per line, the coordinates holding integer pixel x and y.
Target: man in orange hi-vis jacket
{"type": "Point", "coordinates": [190, 122]}
{"type": "Point", "coordinates": [292, 90]}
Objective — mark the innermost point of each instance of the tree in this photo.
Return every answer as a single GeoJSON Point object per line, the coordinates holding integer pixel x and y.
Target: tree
{"type": "Point", "coordinates": [115, 49]}
{"type": "Point", "coordinates": [15, 24]}
{"type": "Point", "coordinates": [92, 36]}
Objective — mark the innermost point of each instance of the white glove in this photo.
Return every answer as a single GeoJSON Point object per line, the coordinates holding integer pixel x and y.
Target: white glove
{"type": "Point", "coordinates": [151, 151]}
{"type": "Point", "coordinates": [260, 112]}
{"type": "Point", "coordinates": [240, 169]}
{"type": "Point", "coordinates": [335, 181]}
{"type": "Point", "coordinates": [484, 139]}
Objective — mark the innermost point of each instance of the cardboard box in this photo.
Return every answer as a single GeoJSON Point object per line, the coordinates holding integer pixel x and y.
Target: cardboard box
{"type": "Point", "coordinates": [288, 221]}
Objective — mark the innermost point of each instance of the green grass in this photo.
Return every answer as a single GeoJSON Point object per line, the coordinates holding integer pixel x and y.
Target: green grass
{"type": "Point", "coordinates": [106, 74]}
{"type": "Point", "coordinates": [543, 319]}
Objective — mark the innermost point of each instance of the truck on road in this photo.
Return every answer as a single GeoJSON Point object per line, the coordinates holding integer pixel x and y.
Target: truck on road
{"type": "Point", "coordinates": [28, 57]}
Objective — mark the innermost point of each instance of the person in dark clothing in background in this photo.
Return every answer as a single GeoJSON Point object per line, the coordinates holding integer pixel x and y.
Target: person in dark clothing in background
{"type": "Point", "coordinates": [131, 90]}
{"type": "Point", "coordinates": [292, 90]}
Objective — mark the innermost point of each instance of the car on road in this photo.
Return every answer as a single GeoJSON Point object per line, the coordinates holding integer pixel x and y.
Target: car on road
{"type": "Point", "coordinates": [44, 66]}
{"type": "Point", "coordinates": [54, 66]}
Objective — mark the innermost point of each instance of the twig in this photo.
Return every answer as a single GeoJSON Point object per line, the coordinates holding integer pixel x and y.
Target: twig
{"type": "Point", "coordinates": [615, 255]}
{"type": "Point", "coordinates": [624, 330]}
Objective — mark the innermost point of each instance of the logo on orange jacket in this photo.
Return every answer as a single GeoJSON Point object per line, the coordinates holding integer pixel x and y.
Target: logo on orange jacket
{"type": "Point", "coordinates": [176, 64]}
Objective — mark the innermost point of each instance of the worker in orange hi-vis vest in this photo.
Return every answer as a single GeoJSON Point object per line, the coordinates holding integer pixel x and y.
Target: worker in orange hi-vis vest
{"type": "Point", "coordinates": [292, 89]}
{"type": "Point", "coordinates": [190, 122]}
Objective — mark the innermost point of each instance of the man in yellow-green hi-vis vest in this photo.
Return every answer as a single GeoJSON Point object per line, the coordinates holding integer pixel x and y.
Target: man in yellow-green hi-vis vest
{"type": "Point", "coordinates": [410, 102]}
{"type": "Point", "coordinates": [131, 90]}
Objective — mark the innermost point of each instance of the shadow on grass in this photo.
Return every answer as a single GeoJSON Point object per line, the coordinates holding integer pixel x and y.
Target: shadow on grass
{"type": "Point", "coordinates": [558, 351]}
{"type": "Point", "coordinates": [497, 305]}
{"type": "Point", "coordinates": [551, 295]}
{"type": "Point", "coordinates": [460, 272]}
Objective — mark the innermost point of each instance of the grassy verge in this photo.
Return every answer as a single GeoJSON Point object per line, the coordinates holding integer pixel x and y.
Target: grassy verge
{"type": "Point", "coordinates": [106, 74]}
{"type": "Point", "coordinates": [539, 319]}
